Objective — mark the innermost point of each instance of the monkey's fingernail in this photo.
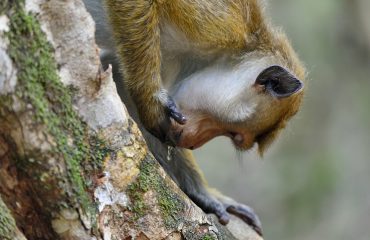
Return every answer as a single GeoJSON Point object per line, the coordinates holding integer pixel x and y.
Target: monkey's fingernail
{"type": "Point", "coordinates": [183, 120]}
{"type": "Point", "coordinates": [224, 219]}
{"type": "Point", "coordinates": [178, 117]}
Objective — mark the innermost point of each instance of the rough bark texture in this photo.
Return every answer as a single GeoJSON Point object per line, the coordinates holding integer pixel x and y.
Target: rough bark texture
{"type": "Point", "coordinates": [73, 165]}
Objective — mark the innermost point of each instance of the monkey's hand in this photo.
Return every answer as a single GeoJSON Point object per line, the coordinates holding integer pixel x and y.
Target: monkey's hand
{"type": "Point", "coordinates": [156, 117]}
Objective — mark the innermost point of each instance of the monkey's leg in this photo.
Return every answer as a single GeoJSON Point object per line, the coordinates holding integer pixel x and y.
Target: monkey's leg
{"type": "Point", "coordinates": [185, 172]}
{"type": "Point", "coordinates": [136, 31]}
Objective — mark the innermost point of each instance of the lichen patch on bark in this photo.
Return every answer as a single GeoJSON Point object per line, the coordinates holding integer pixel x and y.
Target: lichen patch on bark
{"type": "Point", "coordinates": [51, 103]}
{"type": "Point", "coordinates": [7, 222]}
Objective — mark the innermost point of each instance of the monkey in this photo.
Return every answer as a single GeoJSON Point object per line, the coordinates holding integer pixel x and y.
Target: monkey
{"type": "Point", "coordinates": [196, 70]}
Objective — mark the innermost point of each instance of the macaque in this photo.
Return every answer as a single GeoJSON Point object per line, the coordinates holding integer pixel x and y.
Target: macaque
{"type": "Point", "coordinates": [200, 69]}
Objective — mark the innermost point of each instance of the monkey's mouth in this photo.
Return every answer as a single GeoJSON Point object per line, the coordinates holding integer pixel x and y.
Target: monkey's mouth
{"type": "Point", "coordinates": [201, 139]}
{"type": "Point", "coordinates": [200, 129]}
{"type": "Point", "coordinates": [240, 140]}
{"type": "Point", "coordinates": [193, 138]}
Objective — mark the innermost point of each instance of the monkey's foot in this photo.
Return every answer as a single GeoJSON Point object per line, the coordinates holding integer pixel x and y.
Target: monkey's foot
{"type": "Point", "coordinates": [223, 206]}
{"type": "Point", "coordinates": [241, 211]}
{"type": "Point", "coordinates": [247, 215]}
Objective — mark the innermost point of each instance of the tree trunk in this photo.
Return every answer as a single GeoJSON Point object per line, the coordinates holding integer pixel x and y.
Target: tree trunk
{"type": "Point", "coordinates": [73, 164]}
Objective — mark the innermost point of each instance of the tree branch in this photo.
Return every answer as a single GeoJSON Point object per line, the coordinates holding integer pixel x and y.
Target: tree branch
{"type": "Point", "coordinates": [73, 164]}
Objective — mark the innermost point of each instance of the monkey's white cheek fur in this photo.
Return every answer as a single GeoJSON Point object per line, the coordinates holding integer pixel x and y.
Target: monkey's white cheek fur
{"type": "Point", "coordinates": [222, 90]}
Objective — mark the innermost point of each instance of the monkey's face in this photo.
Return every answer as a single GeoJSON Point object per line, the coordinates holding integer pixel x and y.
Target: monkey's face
{"type": "Point", "coordinates": [248, 111]}
{"type": "Point", "coordinates": [202, 127]}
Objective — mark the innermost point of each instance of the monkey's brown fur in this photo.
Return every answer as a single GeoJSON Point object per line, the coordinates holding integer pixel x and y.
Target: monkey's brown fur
{"type": "Point", "coordinates": [235, 28]}
{"type": "Point", "coordinates": [232, 26]}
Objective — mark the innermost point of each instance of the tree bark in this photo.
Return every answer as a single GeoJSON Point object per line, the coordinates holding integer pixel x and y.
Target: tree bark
{"type": "Point", "coordinates": [73, 164]}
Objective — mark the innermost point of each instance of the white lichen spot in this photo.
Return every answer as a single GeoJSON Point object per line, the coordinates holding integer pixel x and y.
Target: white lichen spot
{"type": "Point", "coordinates": [213, 228]}
{"type": "Point", "coordinates": [107, 195]}
{"type": "Point", "coordinates": [85, 217]}
{"type": "Point", "coordinates": [130, 152]}
{"type": "Point", "coordinates": [69, 214]}
{"type": "Point", "coordinates": [8, 74]}
{"type": "Point", "coordinates": [68, 224]}
{"type": "Point", "coordinates": [44, 177]}
{"type": "Point", "coordinates": [107, 234]}
{"type": "Point", "coordinates": [60, 225]}
{"type": "Point", "coordinates": [106, 107]}
{"type": "Point", "coordinates": [32, 6]}
{"type": "Point", "coordinates": [66, 76]}
{"type": "Point", "coordinates": [34, 138]}
{"type": "Point", "coordinates": [4, 23]}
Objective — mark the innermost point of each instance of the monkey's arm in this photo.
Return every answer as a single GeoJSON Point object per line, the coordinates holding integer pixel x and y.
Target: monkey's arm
{"type": "Point", "coordinates": [136, 31]}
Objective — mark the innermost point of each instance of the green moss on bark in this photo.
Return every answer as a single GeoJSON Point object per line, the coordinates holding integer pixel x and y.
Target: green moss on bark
{"type": "Point", "coordinates": [7, 223]}
{"type": "Point", "coordinates": [98, 152]}
{"type": "Point", "coordinates": [208, 237]}
{"type": "Point", "coordinates": [149, 179]}
{"type": "Point", "coordinates": [39, 87]}
{"type": "Point", "coordinates": [3, 6]}
{"type": "Point", "coordinates": [199, 234]}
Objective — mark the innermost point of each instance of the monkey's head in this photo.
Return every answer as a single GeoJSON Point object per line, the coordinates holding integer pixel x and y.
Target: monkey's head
{"type": "Point", "coordinates": [248, 100]}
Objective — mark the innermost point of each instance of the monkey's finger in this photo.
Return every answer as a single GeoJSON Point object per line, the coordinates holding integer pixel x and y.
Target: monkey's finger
{"type": "Point", "coordinates": [223, 216]}
{"type": "Point", "coordinates": [224, 219]}
{"type": "Point", "coordinates": [178, 117]}
{"type": "Point", "coordinates": [248, 216]}
{"type": "Point", "coordinates": [174, 113]}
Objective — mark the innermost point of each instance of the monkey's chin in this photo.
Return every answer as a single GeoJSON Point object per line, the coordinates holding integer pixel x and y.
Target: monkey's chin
{"type": "Point", "coordinates": [196, 136]}
{"type": "Point", "coordinates": [195, 139]}
{"type": "Point", "coordinates": [241, 146]}
{"type": "Point", "coordinates": [194, 143]}
{"type": "Point", "coordinates": [240, 141]}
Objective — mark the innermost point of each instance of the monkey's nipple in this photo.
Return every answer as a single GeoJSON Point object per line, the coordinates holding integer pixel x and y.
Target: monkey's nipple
{"type": "Point", "coordinates": [242, 140]}
{"type": "Point", "coordinates": [237, 138]}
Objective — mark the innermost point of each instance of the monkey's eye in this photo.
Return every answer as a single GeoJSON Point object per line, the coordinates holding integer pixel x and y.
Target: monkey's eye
{"type": "Point", "coordinates": [279, 82]}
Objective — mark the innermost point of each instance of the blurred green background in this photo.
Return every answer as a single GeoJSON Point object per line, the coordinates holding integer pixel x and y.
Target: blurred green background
{"type": "Point", "coordinates": [314, 182]}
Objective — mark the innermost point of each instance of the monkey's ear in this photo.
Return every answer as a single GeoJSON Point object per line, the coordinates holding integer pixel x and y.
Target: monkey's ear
{"type": "Point", "coordinates": [279, 82]}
